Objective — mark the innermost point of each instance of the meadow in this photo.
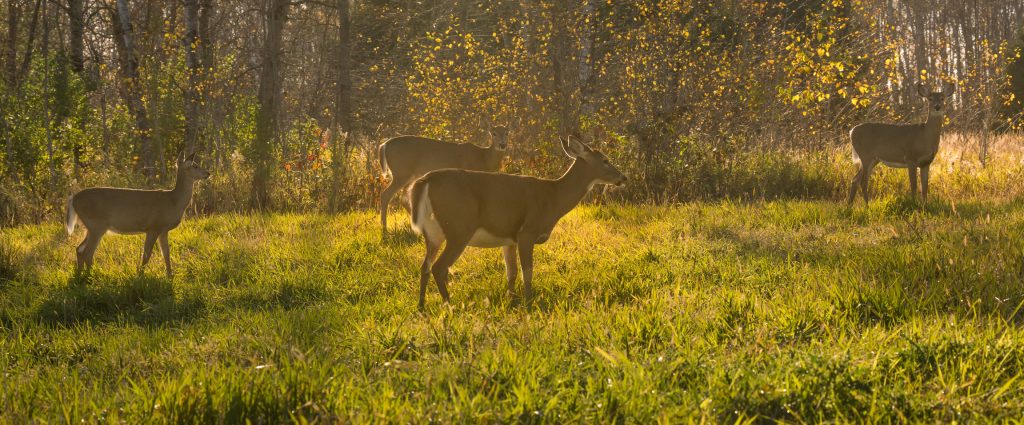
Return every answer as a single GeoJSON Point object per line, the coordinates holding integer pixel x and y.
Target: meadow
{"type": "Point", "coordinates": [727, 311]}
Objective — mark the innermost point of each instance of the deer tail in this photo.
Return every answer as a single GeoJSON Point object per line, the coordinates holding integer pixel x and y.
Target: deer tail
{"type": "Point", "coordinates": [382, 156]}
{"type": "Point", "coordinates": [421, 208]}
{"type": "Point", "coordinates": [72, 216]}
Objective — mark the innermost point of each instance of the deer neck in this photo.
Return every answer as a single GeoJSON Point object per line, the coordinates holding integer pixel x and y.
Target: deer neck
{"type": "Point", "coordinates": [182, 192]}
{"type": "Point", "coordinates": [493, 156]}
{"type": "Point", "coordinates": [571, 188]}
{"type": "Point", "coordinates": [933, 126]}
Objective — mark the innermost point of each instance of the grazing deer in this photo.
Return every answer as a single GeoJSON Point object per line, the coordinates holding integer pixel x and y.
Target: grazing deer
{"type": "Point", "coordinates": [133, 211]}
{"type": "Point", "coordinates": [909, 146]}
{"type": "Point", "coordinates": [489, 210]}
{"type": "Point", "coordinates": [407, 158]}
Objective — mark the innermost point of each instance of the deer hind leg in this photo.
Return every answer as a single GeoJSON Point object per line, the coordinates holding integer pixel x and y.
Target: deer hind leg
{"type": "Point", "coordinates": [397, 182]}
{"type": "Point", "coordinates": [912, 172]}
{"type": "Point", "coordinates": [924, 183]}
{"type": "Point", "coordinates": [87, 249]}
{"type": "Point", "coordinates": [853, 186]}
{"type": "Point", "coordinates": [165, 249]}
{"type": "Point", "coordinates": [511, 267]}
{"type": "Point", "coordinates": [428, 258]}
{"type": "Point", "coordinates": [452, 250]}
{"type": "Point", "coordinates": [147, 250]}
{"type": "Point", "coordinates": [865, 178]}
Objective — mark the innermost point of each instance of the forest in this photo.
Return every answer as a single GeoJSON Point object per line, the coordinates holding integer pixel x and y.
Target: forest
{"type": "Point", "coordinates": [286, 101]}
{"type": "Point", "coordinates": [702, 207]}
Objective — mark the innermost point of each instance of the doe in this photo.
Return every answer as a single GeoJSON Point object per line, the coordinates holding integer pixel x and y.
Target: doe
{"type": "Point", "coordinates": [407, 158]}
{"type": "Point", "coordinates": [132, 211]}
{"type": "Point", "coordinates": [463, 208]}
{"type": "Point", "coordinates": [910, 146]}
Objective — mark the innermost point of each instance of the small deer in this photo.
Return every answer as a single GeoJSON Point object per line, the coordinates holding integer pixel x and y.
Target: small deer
{"type": "Point", "coordinates": [132, 211]}
{"type": "Point", "coordinates": [470, 208]}
{"type": "Point", "coordinates": [909, 146]}
{"type": "Point", "coordinates": [407, 158]}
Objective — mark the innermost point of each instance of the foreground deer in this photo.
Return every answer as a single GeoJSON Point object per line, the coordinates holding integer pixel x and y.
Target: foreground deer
{"type": "Point", "coordinates": [407, 158]}
{"type": "Point", "coordinates": [909, 146]}
{"type": "Point", "coordinates": [132, 211]}
{"type": "Point", "coordinates": [490, 210]}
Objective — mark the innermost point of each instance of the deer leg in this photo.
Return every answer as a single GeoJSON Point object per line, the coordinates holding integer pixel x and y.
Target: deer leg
{"type": "Point", "coordinates": [452, 250]}
{"type": "Point", "coordinates": [912, 171]}
{"type": "Point", "coordinates": [853, 186]}
{"type": "Point", "coordinates": [147, 250]}
{"type": "Point", "coordinates": [865, 179]}
{"type": "Point", "coordinates": [511, 267]}
{"type": "Point", "coordinates": [526, 259]}
{"type": "Point", "coordinates": [166, 251]}
{"type": "Point", "coordinates": [385, 198]}
{"type": "Point", "coordinates": [924, 183]}
{"type": "Point", "coordinates": [92, 241]}
{"type": "Point", "coordinates": [425, 269]}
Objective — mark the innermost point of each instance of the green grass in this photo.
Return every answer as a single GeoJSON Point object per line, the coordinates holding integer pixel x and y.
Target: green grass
{"type": "Point", "coordinates": [802, 311]}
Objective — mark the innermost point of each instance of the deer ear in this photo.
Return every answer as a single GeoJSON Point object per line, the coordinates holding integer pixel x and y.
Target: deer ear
{"type": "Point", "coordinates": [949, 90]}
{"type": "Point", "coordinates": [922, 90]}
{"type": "Point", "coordinates": [181, 157]}
{"type": "Point", "coordinates": [573, 147]}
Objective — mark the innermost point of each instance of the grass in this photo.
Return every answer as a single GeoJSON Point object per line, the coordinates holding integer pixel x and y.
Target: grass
{"type": "Point", "coordinates": [800, 311]}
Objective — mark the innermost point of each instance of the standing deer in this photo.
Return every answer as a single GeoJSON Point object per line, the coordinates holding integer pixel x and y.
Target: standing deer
{"type": "Point", "coordinates": [407, 158]}
{"type": "Point", "coordinates": [133, 211]}
{"type": "Point", "coordinates": [470, 208]}
{"type": "Point", "coordinates": [909, 146]}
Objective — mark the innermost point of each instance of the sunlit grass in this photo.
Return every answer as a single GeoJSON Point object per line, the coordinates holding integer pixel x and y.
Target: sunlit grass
{"type": "Point", "coordinates": [799, 310]}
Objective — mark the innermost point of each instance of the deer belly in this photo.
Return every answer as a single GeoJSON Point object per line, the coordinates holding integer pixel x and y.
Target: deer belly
{"type": "Point", "coordinates": [895, 164]}
{"type": "Point", "coordinates": [125, 232]}
{"type": "Point", "coordinates": [484, 239]}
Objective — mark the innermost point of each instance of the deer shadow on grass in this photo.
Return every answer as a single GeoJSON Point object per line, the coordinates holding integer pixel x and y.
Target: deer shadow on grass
{"type": "Point", "coordinates": [141, 300]}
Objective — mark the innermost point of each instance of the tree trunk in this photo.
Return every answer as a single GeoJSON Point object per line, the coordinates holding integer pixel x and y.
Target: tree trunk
{"type": "Point", "coordinates": [269, 97]}
{"type": "Point", "coordinates": [76, 19]}
{"type": "Point", "coordinates": [342, 103]}
{"type": "Point", "coordinates": [26, 61]}
{"type": "Point", "coordinates": [131, 90]}
{"type": "Point", "coordinates": [193, 70]}
{"type": "Point", "coordinates": [11, 48]}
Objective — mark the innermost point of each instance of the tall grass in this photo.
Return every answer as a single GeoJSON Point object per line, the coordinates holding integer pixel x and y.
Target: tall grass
{"type": "Point", "coordinates": [801, 311]}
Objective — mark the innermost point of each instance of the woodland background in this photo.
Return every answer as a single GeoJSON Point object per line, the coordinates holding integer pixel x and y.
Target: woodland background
{"type": "Point", "coordinates": [691, 99]}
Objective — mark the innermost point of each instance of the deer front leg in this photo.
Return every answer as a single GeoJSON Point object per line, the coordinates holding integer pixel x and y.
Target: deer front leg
{"type": "Point", "coordinates": [511, 267]}
{"type": "Point", "coordinates": [526, 261]}
{"type": "Point", "coordinates": [166, 250]}
{"type": "Point", "coordinates": [147, 250]}
{"type": "Point", "coordinates": [924, 183]}
{"type": "Point", "coordinates": [912, 171]}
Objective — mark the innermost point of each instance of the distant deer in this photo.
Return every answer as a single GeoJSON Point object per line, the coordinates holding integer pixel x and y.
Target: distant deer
{"type": "Point", "coordinates": [469, 208]}
{"type": "Point", "coordinates": [909, 146]}
{"type": "Point", "coordinates": [407, 158]}
{"type": "Point", "coordinates": [132, 211]}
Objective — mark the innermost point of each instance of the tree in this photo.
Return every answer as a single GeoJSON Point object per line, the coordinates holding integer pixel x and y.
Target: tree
{"type": "Point", "coordinates": [342, 103]}
{"type": "Point", "coordinates": [269, 99]}
{"type": "Point", "coordinates": [131, 88]}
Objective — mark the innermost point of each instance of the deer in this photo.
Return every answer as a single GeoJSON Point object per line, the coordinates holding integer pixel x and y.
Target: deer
{"type": "Point", "coordinates": [910, 146]}
{"type": "Point", "coordinates": [133, 211]}
{"type": "Point", "coordinates": [461, 208]}
{"type": "Point", "coordinates": [407, 158]}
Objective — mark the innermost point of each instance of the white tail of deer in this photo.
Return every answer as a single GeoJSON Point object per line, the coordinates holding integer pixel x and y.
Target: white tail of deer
{"type": "Point", "coordinates": [910, 146]}
{"type": "Point", "coordinates": [407, 158]}
{"type": "Point", "coordinates": [463, 208]}
{"type": "Point", "coordinates": [132, 211]}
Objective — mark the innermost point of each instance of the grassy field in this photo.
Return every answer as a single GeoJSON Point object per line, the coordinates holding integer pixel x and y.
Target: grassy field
{"type": "Point", "coordinates": [793, 310]}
